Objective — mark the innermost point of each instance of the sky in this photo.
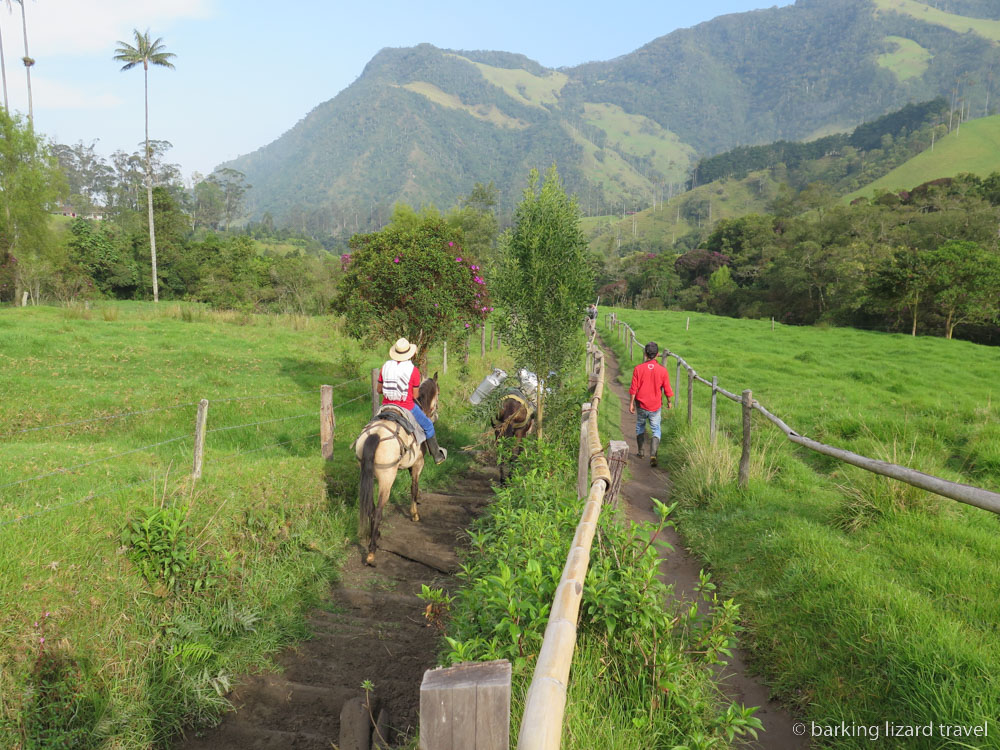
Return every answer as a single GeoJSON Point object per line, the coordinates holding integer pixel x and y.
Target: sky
{"type": "Point", "coordinates": [246, 70]}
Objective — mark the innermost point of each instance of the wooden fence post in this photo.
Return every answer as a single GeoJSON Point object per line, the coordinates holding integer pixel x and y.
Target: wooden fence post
{"type": "Point", "coordinates": [493, 333]}
{"type": "Point", "coordinates": [617, 458]}
{"type": "Point", "coordinates": [468, 347]}
{"type": "Point", "coordinates": [690, 394]}
{"type": "Point", "coordinates": [687, 326]}
{"type": "Point", "coordinates": [772, 322]}
{"type": "Point", "coordinates": [631, 340]}
{"type": "Point", "coordinates": [745, 456]}
{"type": "Point", "coordinates": [583, 460]}
{"type": "Point", "coordinates": [327, 421]}
{"type": "Point", "coordinates": [715, 396]}
{"type": "Point", "coordinates": [199, 437]}
{"type": "Point", "coordinates": [499, 337]}
{"type": "Point", "coordinates": [677, 380]}
{"type": "Point", "coordinates": [444, 358]}
{"type": "Point", "coordinates": [482, 340]}
{"type": "Point", "coordinates": [376, 401]}
{"type": "Point", "coordinates": [466, 707]}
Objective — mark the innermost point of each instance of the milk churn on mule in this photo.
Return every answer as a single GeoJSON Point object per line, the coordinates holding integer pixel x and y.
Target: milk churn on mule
{"type": "Point", "coordinates": [490, 383]}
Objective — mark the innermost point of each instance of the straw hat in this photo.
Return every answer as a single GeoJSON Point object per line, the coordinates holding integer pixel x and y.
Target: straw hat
{"type": "Point", "coordinates": [403, 350]}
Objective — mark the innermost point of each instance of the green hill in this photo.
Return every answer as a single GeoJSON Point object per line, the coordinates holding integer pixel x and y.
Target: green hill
{"type": "Point", "coordinates": [974, 148]}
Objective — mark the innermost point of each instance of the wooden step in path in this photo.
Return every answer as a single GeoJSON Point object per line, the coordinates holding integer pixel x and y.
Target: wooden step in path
{"type": "Point", "coordinates": [371, 628]}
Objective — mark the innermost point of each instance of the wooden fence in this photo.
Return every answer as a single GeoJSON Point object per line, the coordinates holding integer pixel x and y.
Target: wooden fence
{"type": "Point", "coordinates": [963, 493]}
{"type": "Point", "coordinates": [456, 710]}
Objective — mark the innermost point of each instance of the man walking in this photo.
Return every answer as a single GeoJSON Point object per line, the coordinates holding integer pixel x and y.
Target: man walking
{"type": "Point", "coordinates": [649, 380]}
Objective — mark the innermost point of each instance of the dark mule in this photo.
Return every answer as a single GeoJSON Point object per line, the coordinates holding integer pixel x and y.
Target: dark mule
{"type": "Point", "coordinates": [383, 448]}
{"type": "Point", "coordinates": [515, 418]}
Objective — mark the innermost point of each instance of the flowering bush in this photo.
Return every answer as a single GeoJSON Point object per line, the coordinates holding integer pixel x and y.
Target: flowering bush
{"type": "Point", "coordinates": [414, 281]}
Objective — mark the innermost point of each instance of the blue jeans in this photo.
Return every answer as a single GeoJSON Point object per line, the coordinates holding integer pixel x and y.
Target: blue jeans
{"type": "Point", "coordinates": [428, 426]}
{"type": "Point", "coordinates": [641, 415]}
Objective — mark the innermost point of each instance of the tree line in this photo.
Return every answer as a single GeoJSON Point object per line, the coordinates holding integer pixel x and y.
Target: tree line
{"type": "Point", "coordinates": [920, 261]}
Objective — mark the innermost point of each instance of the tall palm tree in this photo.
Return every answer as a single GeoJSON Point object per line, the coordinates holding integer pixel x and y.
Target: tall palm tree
{"type": "Point", "coordinates": [3, 67]}
{"type": "Point", "coordinates": [146, 53]}
{"type": "Point", "coordinates": [28, 62]}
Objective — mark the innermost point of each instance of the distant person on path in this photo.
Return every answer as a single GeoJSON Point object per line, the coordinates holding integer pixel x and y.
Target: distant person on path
{"type": "Point", "coordinates": [398, 382]}
{"type": "Point", "coordinates": [649, 380]}
{"type": "Point", "coordinates": [592, 311]}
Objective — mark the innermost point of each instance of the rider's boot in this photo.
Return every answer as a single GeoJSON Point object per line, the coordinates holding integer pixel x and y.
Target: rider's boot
{"type": "Point", "coordinates": [654, 447]}
{"type": "Point", "coordinates": [639, 440]}
{"type": "Point", "coordinates": [438, 453]}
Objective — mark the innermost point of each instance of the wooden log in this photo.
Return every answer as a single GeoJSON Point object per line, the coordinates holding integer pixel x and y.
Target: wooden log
{"type": "Point", "coordinates": [199, 437]}
{"type": "Point", "coordinates": [677, 380]}
{"type": "Point", "coordinates": [327, 421]}
{"type": "Point", "coordinates": [715, 398]}
{"type": "Point", "coordinates": [744, 475]}
{"type": "Point", "coordinates": [583, 460]}
{"type": "Point", "coordinates": [631, 357]}
{"type": "Point", "coordinates": [376, 398]}
{"type": "Point", "coordinates": [617, 458]}
{"type": "Point", "coordinates": [466, 707]}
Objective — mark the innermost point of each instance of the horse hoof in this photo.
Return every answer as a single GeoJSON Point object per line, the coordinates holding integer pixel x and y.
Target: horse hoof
{"type": "Point", "coordinates": [416, 518]}
{"type": "Point", "coordinates": [370, 559]}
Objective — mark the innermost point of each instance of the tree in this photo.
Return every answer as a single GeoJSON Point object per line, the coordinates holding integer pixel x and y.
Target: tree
{"type": "Point", "coordinates": [147, 53]}
{"type": "Point", "coordinates": [3, 68]}
{"type": "Point", "coordinates": [30, 181]}
{"type": "Point", "coordinates": [902, 281]}
{"type": "Point", "coordinates": [543, 280]}
{"type": "Point", "coordinates": [966, 280]}
{"type": "Point", "coordinates": [411, 279]}
{"type": "Point", "coordinates": [233, 185]}
{"type": "Point", "coordinates": [209, 203]}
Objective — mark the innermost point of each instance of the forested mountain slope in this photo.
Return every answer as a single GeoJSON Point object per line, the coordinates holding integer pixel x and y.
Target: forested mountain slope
{"type": "Point", "coordinates": [423, 124]}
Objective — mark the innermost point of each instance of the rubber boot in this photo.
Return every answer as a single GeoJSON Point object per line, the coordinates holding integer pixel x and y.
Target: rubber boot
{"type": "Point", "coordinates": [654, 447]}
{"type": "Point", "coordinates": [438, 453]}
{"type": "Point", "coordinates": [639, 440]}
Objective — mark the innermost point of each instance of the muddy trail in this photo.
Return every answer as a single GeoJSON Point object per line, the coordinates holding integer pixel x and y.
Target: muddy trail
{"type": "Point", "coordinates": [372, 627]}
{"type": "Point", "coordinates": [681, 568]}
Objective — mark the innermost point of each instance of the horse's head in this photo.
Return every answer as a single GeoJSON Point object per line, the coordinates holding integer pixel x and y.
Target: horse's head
{"type": "Point", "coordinates": [427, 397]}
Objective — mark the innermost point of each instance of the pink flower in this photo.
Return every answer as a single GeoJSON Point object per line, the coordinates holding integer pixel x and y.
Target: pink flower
{"type": "Point", "coordinates": [435, 304]}
{"type": "Point", "coordinates": [458, 259]}
{"type": "Point", "coordinates": [41, 640]}
{"type": "Point", "coordinates": [395, 260]}
{"type": "Point", "coordinates": [466, 325]}
{"type": "Point", "coordinates": [491, 309]}
{"type": "Point", "coordinates": [451, 244]}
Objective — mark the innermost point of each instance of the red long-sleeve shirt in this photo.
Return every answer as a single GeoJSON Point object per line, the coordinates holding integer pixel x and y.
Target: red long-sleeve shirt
{"type": "Point", "coordinates": [649, 380]}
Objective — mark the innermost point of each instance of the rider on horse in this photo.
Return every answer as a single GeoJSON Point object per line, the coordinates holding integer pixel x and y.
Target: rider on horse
{"type": "Point", "coordinates": [398, 381]}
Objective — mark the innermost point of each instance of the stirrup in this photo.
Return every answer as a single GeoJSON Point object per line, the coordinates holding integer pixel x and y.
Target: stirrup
{"type": "Point", "coordinates": [443, 452]}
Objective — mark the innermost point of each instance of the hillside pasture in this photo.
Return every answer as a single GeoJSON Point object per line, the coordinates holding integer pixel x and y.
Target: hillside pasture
{"type": "Point", "coordinates": [905, 57]}
{"type": "Point", "coordinates": [984, 27]}
{"type": "Point", "coordinates": [153, 591]}
{"type": "Point", "coordinates": [866, 599]}
{"type": "Point", "coordinates": [974, 148]}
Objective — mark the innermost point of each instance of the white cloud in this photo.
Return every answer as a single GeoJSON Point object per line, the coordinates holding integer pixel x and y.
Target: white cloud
{"type": "Point", "coordinates": [71, 27]}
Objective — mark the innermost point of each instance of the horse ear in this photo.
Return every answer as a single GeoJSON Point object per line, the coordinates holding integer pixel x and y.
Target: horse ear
{"type": "Point", "coordinates": [435, 376]}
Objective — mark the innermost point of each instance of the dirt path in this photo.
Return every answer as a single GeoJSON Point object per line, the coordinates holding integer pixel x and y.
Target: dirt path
{"type": "Point", "coordinates": [372, 628]}
{"type": "Point", "coordinates": [681, 569]}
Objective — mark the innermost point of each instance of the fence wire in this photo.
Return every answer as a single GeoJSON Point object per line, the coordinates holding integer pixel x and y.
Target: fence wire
{"type": "Point", "coordinates": [123, 415]}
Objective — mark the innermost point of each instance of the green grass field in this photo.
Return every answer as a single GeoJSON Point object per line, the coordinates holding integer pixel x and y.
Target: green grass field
{"type": "Point", "coordinates": [907, 59]}
{"type": "Point", "coordinates": [867, 600]}
{"type": "Point", "coordinates": [975, 148]}
{"type": "Point", "coordinates": [928, 14]}
{"type": "Point", "coordinates": [266, 526]}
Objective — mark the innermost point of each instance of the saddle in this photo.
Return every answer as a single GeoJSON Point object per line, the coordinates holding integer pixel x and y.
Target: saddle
{"type": "Point", "coordinates": [404, 418]}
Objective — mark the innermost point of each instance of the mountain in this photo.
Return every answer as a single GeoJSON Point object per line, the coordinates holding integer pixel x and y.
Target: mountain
{"type": "Point", "coordinates": [423, 125]}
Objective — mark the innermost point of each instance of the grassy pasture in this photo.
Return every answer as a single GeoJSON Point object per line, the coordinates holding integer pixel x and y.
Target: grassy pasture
{"type": "Point", "coordinates": [984, 27]}
{"type": "Point", "coordinates": [867, 600]}
{"type": "Point", "coordinates": [266, 526]}
{"type": "Point", "coordinates": [975, 148]}
{"type": "Point", "coordinates": [906, 58]}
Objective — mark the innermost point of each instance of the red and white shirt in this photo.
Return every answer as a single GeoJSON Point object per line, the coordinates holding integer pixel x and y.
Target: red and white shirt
{"type": "Point", "coordinates": [400, 381]}
{"type": "Point", "coordinates": [649, 380]}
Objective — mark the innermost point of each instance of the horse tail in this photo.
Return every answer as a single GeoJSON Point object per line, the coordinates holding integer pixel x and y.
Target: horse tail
{"type": "Point", "coordinates": [366, 498]}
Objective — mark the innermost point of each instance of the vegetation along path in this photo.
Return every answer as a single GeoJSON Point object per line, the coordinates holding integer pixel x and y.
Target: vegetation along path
{"type": "Point", "coordinates": [680, 570]}
{"type": "Point", "coordinates": [372, 630]}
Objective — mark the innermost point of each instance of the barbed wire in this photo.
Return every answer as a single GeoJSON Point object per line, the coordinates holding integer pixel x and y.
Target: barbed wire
{"type": "Point", "coordinates": [65, 469]}
{"type": "Point", "coordinates": [356, 398]}
{"type": "Point", "coordinates": [92, 496]}
{"type": "Point", "coordinates": [126, 414]}
{"type": "Point", "coordinates": [97, 419]}
{"type": "Point", "coordinates": [265, 447]}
